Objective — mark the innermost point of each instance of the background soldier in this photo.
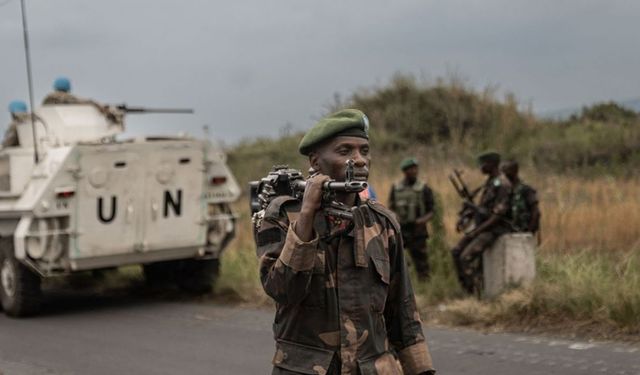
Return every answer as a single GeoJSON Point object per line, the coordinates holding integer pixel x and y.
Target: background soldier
{"type": "Point", "coordinates": [344, 298]}
{"type": "Point", "coordinates": [525, 213]}
{"type": "Point", "coordinates": [412, 201]}
{"type": "Point", "coordinates": [18, 111]}
{"type": "Point", "coordinates": [62, 95]}
{"type": "Point", "coordinates": [491, 221]}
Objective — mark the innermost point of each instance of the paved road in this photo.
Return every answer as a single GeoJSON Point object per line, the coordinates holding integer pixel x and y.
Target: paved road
{"type": "Point", "coordinates": [82, 334]}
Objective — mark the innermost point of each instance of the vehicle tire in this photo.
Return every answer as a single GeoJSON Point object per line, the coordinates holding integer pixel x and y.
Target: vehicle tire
{"type": "Point", "coordinates": [197, 276]}
{"type": "Point", "coordinates": [20, 290]}
{"type": "Point", "coordinates": [160, 273]}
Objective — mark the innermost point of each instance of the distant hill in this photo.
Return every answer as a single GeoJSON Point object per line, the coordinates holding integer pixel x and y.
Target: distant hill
{"type": "Point", "coordinates": [450, 121]}
{"type": "Point", "coordinates": [632, 104]}
{"type": "Point", "coordinates": [566, 113]}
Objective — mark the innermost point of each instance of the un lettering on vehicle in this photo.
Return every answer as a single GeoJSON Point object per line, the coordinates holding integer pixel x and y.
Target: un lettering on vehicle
{"type": "Point", "coordinates": [172, 205]}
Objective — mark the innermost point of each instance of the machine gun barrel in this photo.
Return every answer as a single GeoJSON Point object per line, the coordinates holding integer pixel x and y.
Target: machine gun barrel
{"type": "Point", "coordinates": [126, 109]}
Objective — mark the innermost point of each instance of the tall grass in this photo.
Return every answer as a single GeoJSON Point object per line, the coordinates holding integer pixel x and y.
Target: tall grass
{"type": "Point", "coordinates": [588, 262]}
{"type": "Point", "coordinates": [584, 169]}
{"type": "Point", "coordinates": [578, 213]}
{"type": "Point", "coordinates": [239, 279]}
{"type": "Point", "coordinates": [582, 293]}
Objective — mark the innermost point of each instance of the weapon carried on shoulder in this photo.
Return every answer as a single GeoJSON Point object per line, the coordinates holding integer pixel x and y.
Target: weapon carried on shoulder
{"type": "Point", "coordinates": [469, 210]}
{"type": "Point", "coordinates": [283, 180]}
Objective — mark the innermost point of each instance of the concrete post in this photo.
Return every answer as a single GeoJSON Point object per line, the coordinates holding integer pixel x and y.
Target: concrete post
{"type": "Point", "coordinates": [509, 262]}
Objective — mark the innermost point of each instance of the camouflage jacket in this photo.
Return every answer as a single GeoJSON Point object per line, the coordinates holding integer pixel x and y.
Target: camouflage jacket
{"type": "Point", "coordinates": [59, 97]}
{"type": "Point", "coordinates": [524, 200]}
{"type": "Point", "coordinates": [496, 199]}
{"type": "Point", "coordinates": [11, 134]}
{"type": "Point", "coordinates": [345, 304]}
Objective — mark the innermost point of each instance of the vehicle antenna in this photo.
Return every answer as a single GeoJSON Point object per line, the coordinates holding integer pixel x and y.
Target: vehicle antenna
{"type": "Point", "coordinates": [29, 80]}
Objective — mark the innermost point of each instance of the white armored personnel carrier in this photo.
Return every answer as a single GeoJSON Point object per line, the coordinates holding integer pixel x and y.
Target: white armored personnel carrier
{"type": "Point", "coordinates": [92, 202]}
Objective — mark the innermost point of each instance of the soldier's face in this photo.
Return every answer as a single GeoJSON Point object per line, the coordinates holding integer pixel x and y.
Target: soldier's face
{"type": "Point", "coordinates": [331, 158]}
{"type": "Point", "coordinates": [488, 167]}
{"type": "Point", "coordinates": [510, 171]}
{"type": "Point", "coordinates": [411, 173]}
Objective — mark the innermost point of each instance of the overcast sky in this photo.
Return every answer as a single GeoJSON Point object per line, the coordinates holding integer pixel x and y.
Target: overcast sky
{"type": "Point", "coordinates": [248, 67]}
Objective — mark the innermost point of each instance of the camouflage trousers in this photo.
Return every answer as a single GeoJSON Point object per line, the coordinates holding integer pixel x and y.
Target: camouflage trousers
{"type": "Point", "coordinates": [467, 257]}
{"type": "Point", "coordinates": [417, 246]}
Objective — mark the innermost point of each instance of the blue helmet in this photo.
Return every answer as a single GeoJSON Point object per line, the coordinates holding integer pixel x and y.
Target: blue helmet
{"type": "Point", "coordinates": [62, 84]}
{"type": "Point", "coordinates": [17, 106]}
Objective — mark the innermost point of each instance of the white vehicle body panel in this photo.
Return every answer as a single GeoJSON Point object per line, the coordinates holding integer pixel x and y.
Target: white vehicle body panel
{"type": "Point", "coordinates": [93, 202]}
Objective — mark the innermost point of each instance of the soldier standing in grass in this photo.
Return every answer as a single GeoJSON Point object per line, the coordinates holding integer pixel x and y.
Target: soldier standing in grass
{"type": "Point", "coordinates": [491, 221]}
{"type": "Point", "coordinates": [525, 212]}
{"type": "Point", "coordinates": [412, 201]}
{"type": "Point", "coordinates": [345, 304]}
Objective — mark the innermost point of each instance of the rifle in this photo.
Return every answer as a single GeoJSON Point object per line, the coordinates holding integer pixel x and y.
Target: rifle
{"type": "Point", "coordinates": [469, 209]}
{"type": "Point", "coordinates": [283, 180]}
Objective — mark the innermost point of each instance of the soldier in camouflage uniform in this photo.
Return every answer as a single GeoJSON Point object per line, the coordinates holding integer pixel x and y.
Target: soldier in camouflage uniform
{"type": "Point", "coordinates": [412, 201]}
{"type": "Point", "coordinates": [525, 213]}
{"type": "Point", "coordinates": [18, 111]}
{"type": "Point", "coordinates": [491, 221]}
{"type": "Point", "coordinates": [62, 95]}
{"type": "Point", "coordinates": [345, 304]}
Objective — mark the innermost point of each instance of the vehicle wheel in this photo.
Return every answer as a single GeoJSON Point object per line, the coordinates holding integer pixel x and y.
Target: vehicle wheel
{"type": "Point", "coordinates": [160, 273]}
{"type": "Point", "coordinates": [197, 276]}
{"type": "Point", "coordinates": [19, 286]}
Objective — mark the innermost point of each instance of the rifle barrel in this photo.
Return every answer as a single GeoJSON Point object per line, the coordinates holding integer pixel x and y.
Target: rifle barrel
{"type": "Point", "coordinates": [348, 187]}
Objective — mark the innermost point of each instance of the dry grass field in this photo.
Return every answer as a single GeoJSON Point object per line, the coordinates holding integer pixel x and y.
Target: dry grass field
{"type": "Point", "coordinates": [584, 169]}
{"type": "Point", "coordinates": [601, 214]}
{"type": "Point", "coordinates": [588, 259]}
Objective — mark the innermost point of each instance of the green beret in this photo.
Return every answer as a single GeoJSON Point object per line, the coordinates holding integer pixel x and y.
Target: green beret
{"type": "Point", "coordinates": [349, 122]}
{"type": "Point", "coordinates": [489, 157]}
{"type": "Point", "coordinates": [407, 163]}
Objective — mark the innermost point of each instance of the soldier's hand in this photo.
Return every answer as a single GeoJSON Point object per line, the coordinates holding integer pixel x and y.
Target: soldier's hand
{"type": "Point", "coordinates": [311, 203]}
{"type": "Point", "coordinates": [312, 198]}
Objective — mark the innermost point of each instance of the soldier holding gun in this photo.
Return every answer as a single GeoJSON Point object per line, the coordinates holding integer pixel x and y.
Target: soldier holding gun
{"type": "Point", "coordinates": [345, 304]}
{"type": "Point", "coordinates": [489, 219]}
